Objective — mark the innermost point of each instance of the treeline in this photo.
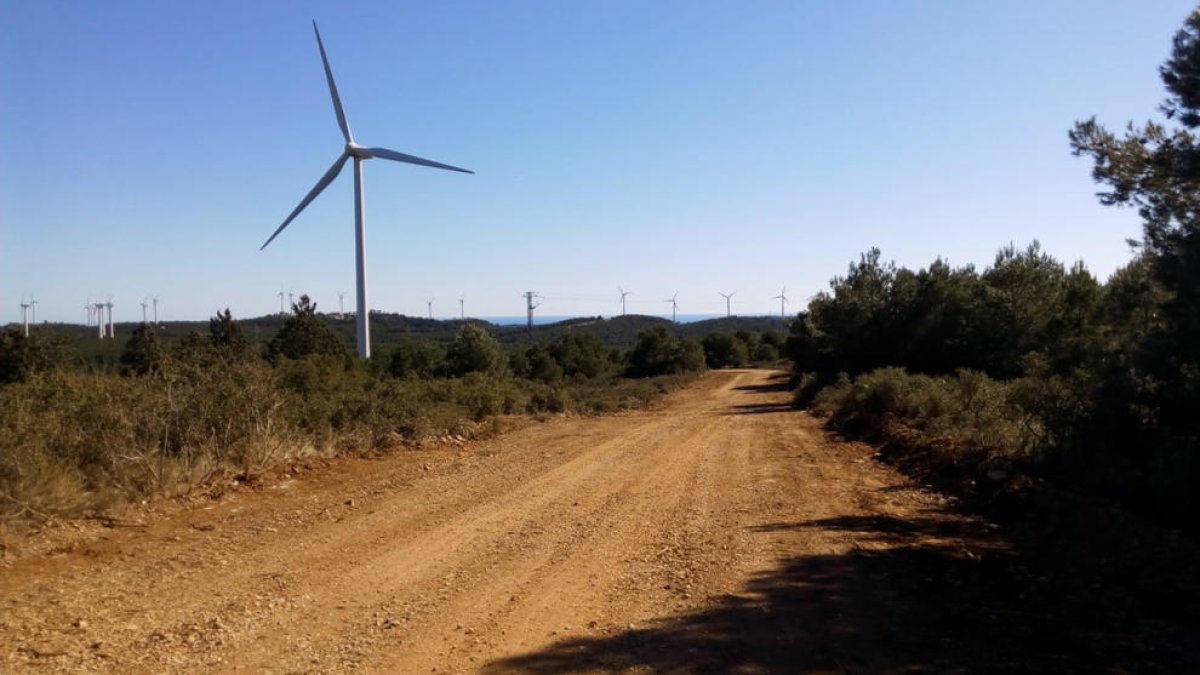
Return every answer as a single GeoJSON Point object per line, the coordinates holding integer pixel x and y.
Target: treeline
{"type": "Point", "coordinates": [76, 435]}
{"type": "Point", "coordinates": [1095, 385]}
{"type": "Point", "coordinates": [1027, 361]}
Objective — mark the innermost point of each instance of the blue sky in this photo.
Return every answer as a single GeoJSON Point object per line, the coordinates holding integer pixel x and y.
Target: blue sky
{"type": "Point", "coordinates": [699, 147]}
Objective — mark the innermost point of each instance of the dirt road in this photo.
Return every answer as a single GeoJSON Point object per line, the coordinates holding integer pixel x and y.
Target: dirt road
{"type": "Point", "coordinates": [720, 531]}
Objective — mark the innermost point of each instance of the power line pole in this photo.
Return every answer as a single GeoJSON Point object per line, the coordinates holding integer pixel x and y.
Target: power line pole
{"type": "Point", "coordinates": [530, 296]}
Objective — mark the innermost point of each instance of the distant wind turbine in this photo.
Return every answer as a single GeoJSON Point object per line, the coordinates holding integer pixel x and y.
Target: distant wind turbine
{"type": "Point", "coordinates": [109, 305]}
{"type": "Point", "coordinates": [358, 153]}
{"type": "Point", "coordinates": [623, 294]}
{"type": "Point", "coordinates": [782, 298]}
{"type": "Point", "coordinates": [25, 317]}
{"type": "Point", "coordinates": [727, 297]}
{"type": "Point", "coordinates": [145, 305]}
{"type": "Point", "coordinates": [155, 301]}
{"type": "Point", "coordinates": [674, 305]}
{"type": "Point", "coordinates": [429, 303]}
{"type": "Point", "coordinates": [341, 304]}
{"type": "Point", "coordinates": [32, 310]}
{"type": "Point", "coordinates": [462, 308]}
{"type": "Point", "coordinates": [100, 319]}
{"type": "Point", "coordinates": [280, 294]}
{"type": "Point", "coordinates": [88, 308]}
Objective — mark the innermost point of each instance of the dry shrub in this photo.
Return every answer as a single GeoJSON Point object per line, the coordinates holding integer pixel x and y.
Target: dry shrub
{"type": "Point", "coordinates": [73, 442]}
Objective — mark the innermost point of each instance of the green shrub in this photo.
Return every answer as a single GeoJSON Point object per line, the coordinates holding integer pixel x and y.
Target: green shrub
{"type": "Point", "coordinates": [969, 409]}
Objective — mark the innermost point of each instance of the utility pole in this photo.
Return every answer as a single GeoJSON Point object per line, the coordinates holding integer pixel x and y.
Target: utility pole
{"type": "Point", "coordinates": [530, 297]}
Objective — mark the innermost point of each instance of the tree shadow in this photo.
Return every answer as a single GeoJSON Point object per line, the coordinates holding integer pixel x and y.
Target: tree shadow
{"type": "Point", "coordinates": [774, 384]}
{"type": "Point", "coordinates": [926, 594]}
{"type": "Point", "coordinates": [759, 408]}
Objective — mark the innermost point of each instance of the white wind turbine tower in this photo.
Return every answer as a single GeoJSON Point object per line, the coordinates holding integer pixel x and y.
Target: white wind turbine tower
{"type": "Point", "coordinates": [341, 304]}
{"type": "Point", "coordinates": [674, 305]}
{"type": "Point", "coordinates": [88, 308]}
{"type": "Point", "coordinates": [281, 294]}
{"type": "Point", "coordinates": [100, 319]}
{"type": "Point", "coordinates": [108, 305]}
{"type": "Point", "coordinates": [623, 294]}
{"type": "Point", "coordinates": [358, 153]}
{"type": "Point", "coordinates": [429, 304]}
{"type": "Point", "coordinates": [154, 300]}
{"type": "Point", "coordinates": [32, 310]}
{"type": "Point", "coordinates": [782, 298]}
{"type": "Point", "coordinates": [727, 297]}
{"type": "Point", "coordinates": [25, 317]}
{"type": "Point", "coordinates": [145, 305]}
{"type": "Point", "coordinates": [462, 308]}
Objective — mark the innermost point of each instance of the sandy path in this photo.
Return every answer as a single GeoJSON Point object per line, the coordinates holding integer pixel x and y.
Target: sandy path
{"type": "Point", "coordinates": [719, 531]}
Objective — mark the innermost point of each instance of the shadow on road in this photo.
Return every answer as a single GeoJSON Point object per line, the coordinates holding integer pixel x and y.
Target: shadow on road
{"type": "Point", "coordinates": [774, 385]}
{"type": "Point", "coordinates": [926, 594]}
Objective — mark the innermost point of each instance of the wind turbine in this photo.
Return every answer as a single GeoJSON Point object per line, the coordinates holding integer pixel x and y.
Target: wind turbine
{"type": "Point", "coordinates": [100, 319]}
{"type": "Point", "coordinates": [155, 301]}
{"type": "Point", "coordinates": [782, 298]}
{"type": "Point", "coordinates": [674, 305]}
{"type": "Point", "coordinates": [623, 294]}
{"type": "Point", "coordinates": [32, 310]}
{"type": "Point", "coordinates": [88, 308]}
{"type": "Point", "coordinates": [109, 306]}
{"type": "Point", "coordinates": [727, 297]}
{"type": "Point", "coordinates": [462, 308]}
{"type": "Point", "coordinates": [341, 304]}
{"type": "Point", "coordinates": [429, 304]}
{"type": "Point", "coordinates": [358, 153]}
{"type": "Point", "coordinates": [280, 294]}
{"type": "Point", "coordinates": [144, 306]}
{"type": "Point", "coordinates": [25, 317]}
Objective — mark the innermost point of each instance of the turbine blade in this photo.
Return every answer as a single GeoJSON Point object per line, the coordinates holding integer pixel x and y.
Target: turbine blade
{"type": "Point", "coordinates": [312, 194]}
{"type": "Point", "coordinates": [337, 100]}
{"type": "Point", "coordinates": [401, 157]}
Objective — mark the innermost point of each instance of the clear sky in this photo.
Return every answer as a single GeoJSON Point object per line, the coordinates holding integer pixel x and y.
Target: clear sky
{"type": "Point", "coordinates": [700, 147]}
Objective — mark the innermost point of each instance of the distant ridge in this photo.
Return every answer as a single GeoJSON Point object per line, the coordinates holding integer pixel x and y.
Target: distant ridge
{"type": "Point", "coordinates": [389, 328]}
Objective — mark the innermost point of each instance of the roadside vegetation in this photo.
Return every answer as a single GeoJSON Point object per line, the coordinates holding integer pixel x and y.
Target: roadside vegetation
{"type": "Point", "coordinates": [1031, 368]}
{"type": "Point", "coordinates": [81, 430]}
